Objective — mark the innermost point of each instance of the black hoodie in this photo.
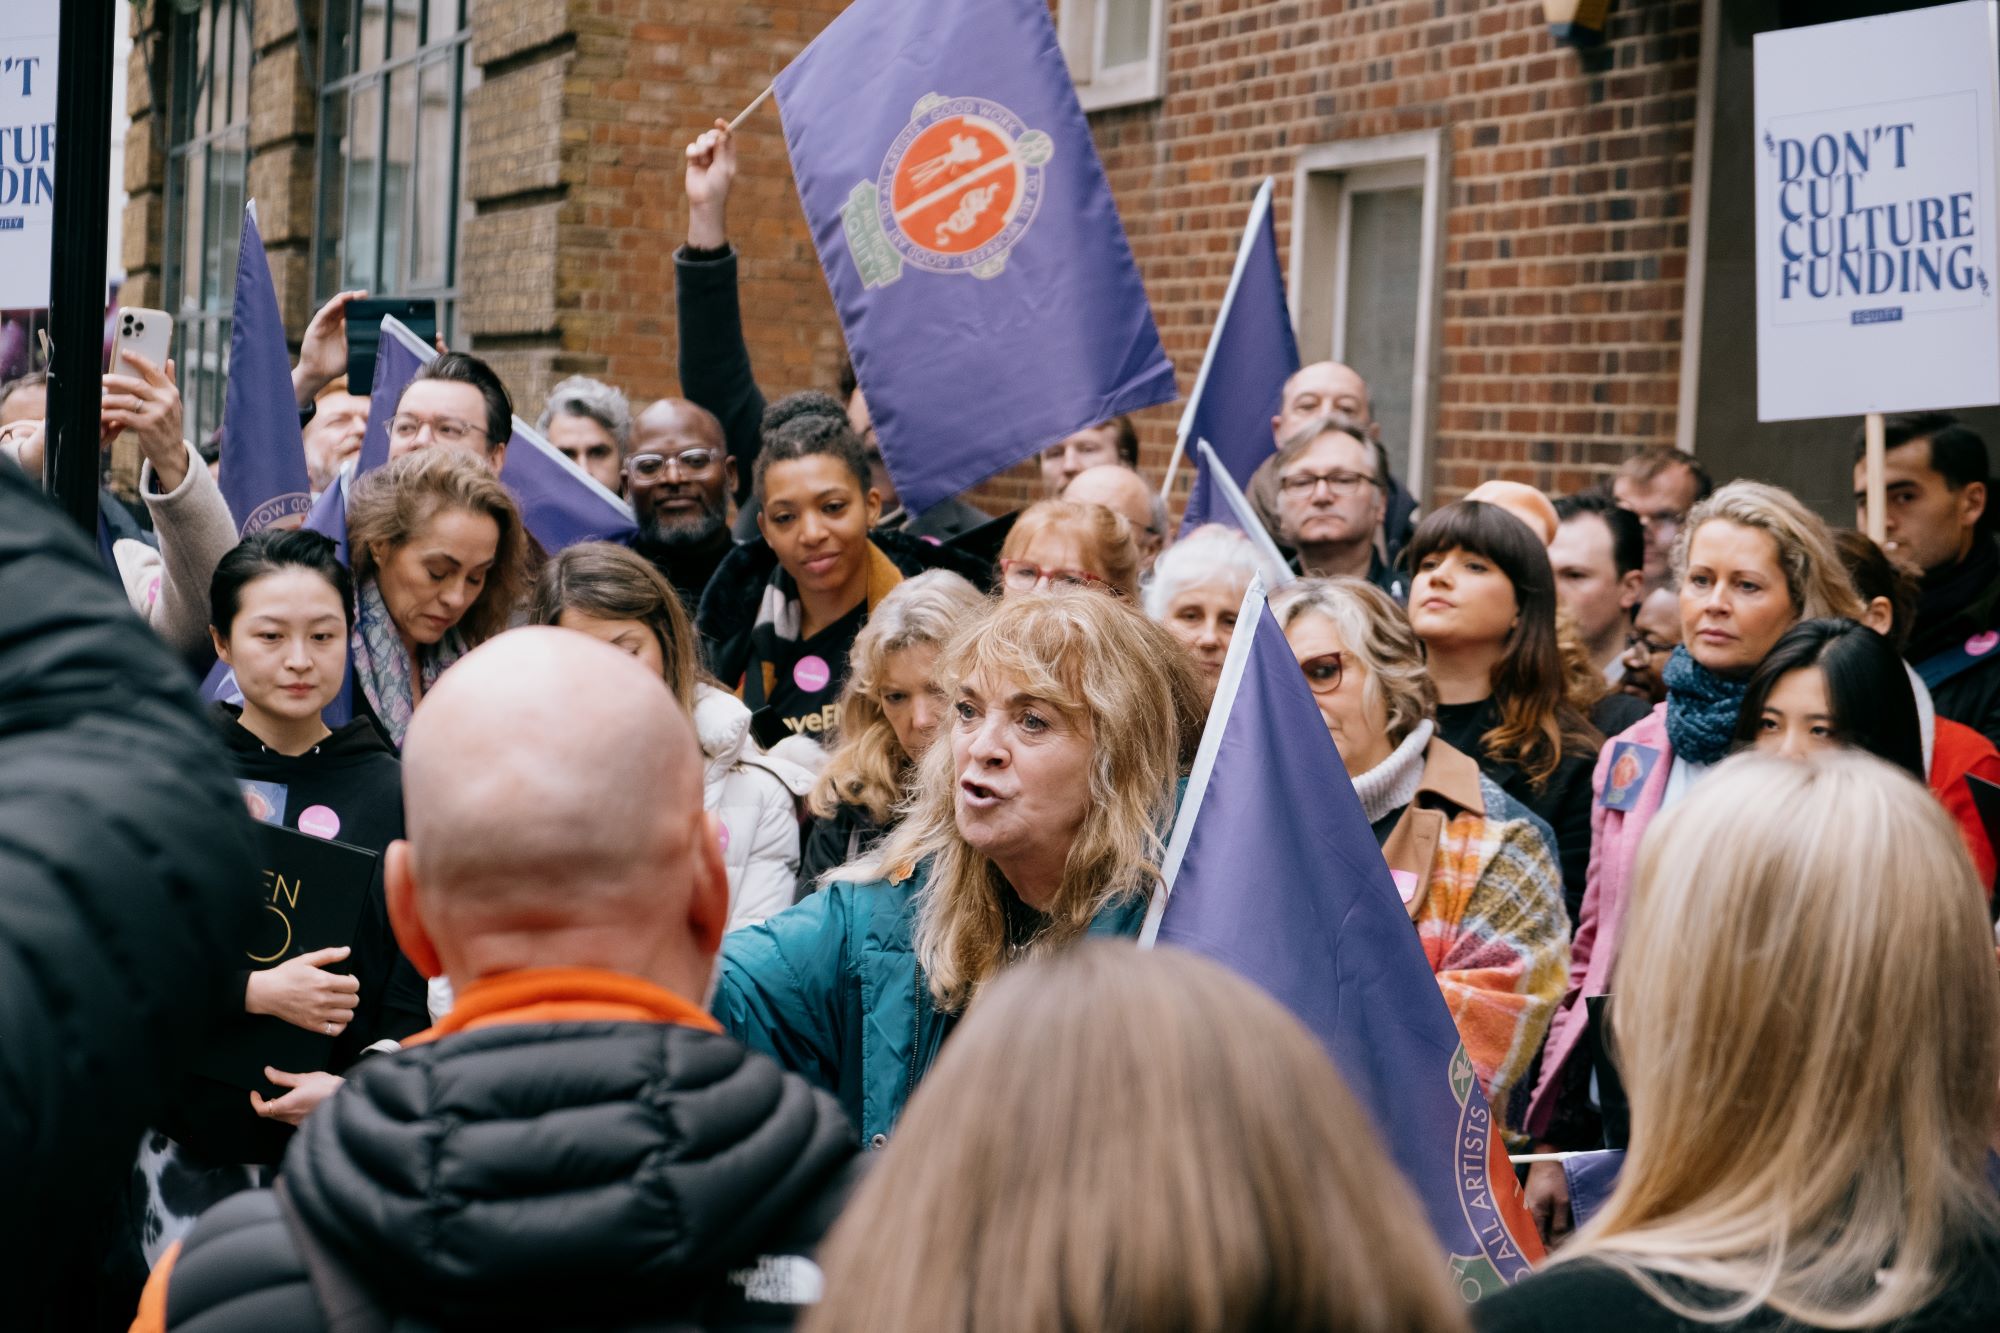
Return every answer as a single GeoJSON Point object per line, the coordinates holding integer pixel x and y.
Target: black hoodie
{"type": "Point", "coordinates": [594, 1174]}
{"type": "Point", "coordinates": [352, 783]}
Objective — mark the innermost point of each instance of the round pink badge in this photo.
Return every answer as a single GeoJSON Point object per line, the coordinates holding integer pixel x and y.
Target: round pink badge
{"type": "Point", "coordinates": [1981, 644]}
{"type": "Point", "coordinates": [319, 821]}
{"type": "Point", "coordinates": [811, 673]}
{"type": "Point", "coordinates": [722, 836]}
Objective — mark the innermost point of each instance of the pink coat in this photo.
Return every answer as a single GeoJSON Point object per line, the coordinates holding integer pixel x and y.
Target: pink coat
{"type": "Point", "coordinates": [1614, 850]}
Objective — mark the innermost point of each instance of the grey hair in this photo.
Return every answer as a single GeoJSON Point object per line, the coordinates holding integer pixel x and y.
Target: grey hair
{"type": "Point", "coordinates": [594, 400]}
{"type": "Point", "coordinates": [1377, 632]}
{"type": "Point", "coordinates": [1211, 553]}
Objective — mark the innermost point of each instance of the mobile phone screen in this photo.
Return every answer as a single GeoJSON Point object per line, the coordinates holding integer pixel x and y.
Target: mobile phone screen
{"type": "Point", "coordinates": [364, 333]}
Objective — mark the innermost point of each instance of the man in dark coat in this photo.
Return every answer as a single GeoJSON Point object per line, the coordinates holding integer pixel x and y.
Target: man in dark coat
{"type": "Point", "coordinates": [129, 880]}
{"type": "Point", "coordinates": [575, 1144]}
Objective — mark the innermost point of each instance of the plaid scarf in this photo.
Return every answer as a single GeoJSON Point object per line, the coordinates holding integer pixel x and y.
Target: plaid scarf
{"type": "Point", "coordinates": [780, 618]}
{"type": "Point", "coordinates": [382, 666]}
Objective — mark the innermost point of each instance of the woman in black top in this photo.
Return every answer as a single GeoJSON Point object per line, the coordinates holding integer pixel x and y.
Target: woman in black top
{"type": "Point", "coordinates": [1483, 600]}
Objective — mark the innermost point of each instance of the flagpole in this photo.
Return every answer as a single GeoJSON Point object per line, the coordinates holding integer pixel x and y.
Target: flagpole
{"type": "Point", "coordinates": [756, 102]}
{"type": "Point", "coordinates": [1258, 208]}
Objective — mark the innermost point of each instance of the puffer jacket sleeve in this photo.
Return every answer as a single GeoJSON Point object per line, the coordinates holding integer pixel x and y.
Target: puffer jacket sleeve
{"type": "Point", "coordinates": [1501, 951]}
{"type": "Point", "coordinates": [195, 531]}
{"type": "Point", "coordinates": [785, 986]}
{"type": "Point", "coordinates": [770, 872]}
{"type": "Point", "coordinates": [128, 872]}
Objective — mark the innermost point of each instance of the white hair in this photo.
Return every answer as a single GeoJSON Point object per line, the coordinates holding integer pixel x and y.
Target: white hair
{"type": "Point", "coordinates": [1212, 553]}
{"type": "Point", "coordinates": [594, 400]}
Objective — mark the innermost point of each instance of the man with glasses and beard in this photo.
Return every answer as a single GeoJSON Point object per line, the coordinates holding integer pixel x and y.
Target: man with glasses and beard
{"type": "Point", "coordinates": [679, 478]}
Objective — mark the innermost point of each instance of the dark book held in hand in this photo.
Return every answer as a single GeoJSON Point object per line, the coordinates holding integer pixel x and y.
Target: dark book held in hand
{"type": "Point", "coordinates": [311, 892]}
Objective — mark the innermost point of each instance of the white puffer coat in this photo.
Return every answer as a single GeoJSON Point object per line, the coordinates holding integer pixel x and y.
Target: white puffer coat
{"type": "Point", "coordinates": [754, 797]}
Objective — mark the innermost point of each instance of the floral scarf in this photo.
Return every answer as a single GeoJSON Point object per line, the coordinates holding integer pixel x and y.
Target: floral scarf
{"type": "Point", "coordinates": [382, 666]}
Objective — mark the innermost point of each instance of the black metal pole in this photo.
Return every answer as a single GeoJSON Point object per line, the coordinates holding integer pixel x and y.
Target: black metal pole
{"type": "Point", "coordinates": [72, 462]}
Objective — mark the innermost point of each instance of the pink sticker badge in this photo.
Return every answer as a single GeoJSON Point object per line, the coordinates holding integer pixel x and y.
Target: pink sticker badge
{"type": "Point", "coordinates": [811, 673]}
{"type": "Point", "coordinates": [1406, 883]}
{"type": "Point", "coordinates": [722, 836]}
{"type": "Point", "coordinates": [1981, 644]}
{"type": "Point", "coordinates": [319, 821]}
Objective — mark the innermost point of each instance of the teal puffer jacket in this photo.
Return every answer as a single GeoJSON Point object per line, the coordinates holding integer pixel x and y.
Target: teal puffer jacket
{"type": "Point", "coordinates": [830, 988]}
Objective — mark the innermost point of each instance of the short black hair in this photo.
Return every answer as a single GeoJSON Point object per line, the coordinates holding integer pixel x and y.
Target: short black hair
{"type": "Point", "coordinates": [465, 368]}
{"type": "Point", "coordinates": [1875, 574]}
{"type": "Point", "coordinates": [847, 380]}
{"type": "Point", "coordinates": [1957, 453]}
{"type": "Point", "coordinates": [1628, 535]}
{"type": "Point", "coordinates": [803, 424]}
{"type": "Point", "coordinates": [269, 552]}
{"type": "Point", "coordinates": [1874, 708]}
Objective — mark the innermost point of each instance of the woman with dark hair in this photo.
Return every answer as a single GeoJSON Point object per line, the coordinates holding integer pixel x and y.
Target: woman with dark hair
{"type": "Point", "coordinates": [1831, 683]}
{"type": "Point", "coordinates": [1483, 600]}
{"type": "Point", "coordinates": [779, 618]}
{"type": "Point", "coordinates": [279, 617]}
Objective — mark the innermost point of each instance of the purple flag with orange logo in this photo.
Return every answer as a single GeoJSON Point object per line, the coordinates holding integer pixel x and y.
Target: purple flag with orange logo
{"type": "Point", "coordinates": [990, 301]}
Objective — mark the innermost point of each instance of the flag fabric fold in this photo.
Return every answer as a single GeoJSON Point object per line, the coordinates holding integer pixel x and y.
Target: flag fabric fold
{"type": "Point", "coordinates": [1216, 498]}
{"type": "Point", "coordinates": [982, 277]}
{"type": "Point", "coordinates": [263, 472]}
{"type": "Point", "coordinates": [1306, 909]}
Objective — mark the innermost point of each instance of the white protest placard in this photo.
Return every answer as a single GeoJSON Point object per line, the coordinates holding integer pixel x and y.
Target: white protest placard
{"type": "Point", "coordinates": [1877, 210]}
{"type": "Point", "coordinates": [27, 153]}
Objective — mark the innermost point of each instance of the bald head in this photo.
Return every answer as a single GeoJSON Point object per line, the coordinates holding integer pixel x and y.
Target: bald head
{"type": "Point", "coordinates": [1123, 491]}
{"type": "Point", "coordinates": [552, 794]}
{"type": "Point", "coordinates": [679, 419]}
{"type": "Point", "coordinates": [1523, 502]}
{"type": "Point", "coordinates": [1323, 389]}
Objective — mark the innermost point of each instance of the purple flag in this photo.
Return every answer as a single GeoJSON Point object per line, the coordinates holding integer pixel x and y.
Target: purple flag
{"type": "Point", "coordinates": [1216, 498]}
{"type": "Point", "coordinates": [263, 474]}
{"type": "Point", "coordinates": [1250, 355]}
{"type": "Point", "coordinates": [962, 217]}
{"type": "Point", "coordinates": [1591, 1177]}
{"type": "Point", "coordinates": [1306, 909]}
{"type": "Point", "coordinates": [398, 357]}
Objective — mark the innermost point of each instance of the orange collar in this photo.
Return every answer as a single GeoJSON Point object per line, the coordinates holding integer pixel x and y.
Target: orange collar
{"type": "Point", "coordinates": [563, 995]}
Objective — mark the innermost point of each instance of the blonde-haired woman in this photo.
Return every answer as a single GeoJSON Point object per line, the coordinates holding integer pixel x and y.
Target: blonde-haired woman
{"type": "Point", "coordinates": [440, 563]}
{"type": "Point", "coordinates": [1038, 816]}
{"type": "Point", "coordinates": [1752, 562]}
{"type": "Point", "coordinates": [1104, 1193]}
{"type": "Point", "coordinates": [1808, 1027]}
{"type": "Point", "coordinates": [1474, 865]}
{"type": "Point", "coordinates": [1058, 543]}
{"type": "Point", "coordinates": [889, 710]}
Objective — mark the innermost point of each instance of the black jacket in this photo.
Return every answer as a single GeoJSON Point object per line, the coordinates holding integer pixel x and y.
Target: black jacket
{"type": "Point", "coordinates": [1959, 607]}
{"type": "Point", "coordinates": [354, 774]}
{"type": "Point", "coordinates": [579, 1175]}
{"type": "Point", "coordinates": [126, 877]}
{"type": "Point", "coordinates": [729, 606]}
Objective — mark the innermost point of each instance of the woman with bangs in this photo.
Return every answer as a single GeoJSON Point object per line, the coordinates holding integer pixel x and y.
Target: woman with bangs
{"type": "Point", "coordinates": [1483, 600]}
{"type": "Point", "coordinates": [1038, 817]}
{"type": "Point", "coordinates": [1062, 544]}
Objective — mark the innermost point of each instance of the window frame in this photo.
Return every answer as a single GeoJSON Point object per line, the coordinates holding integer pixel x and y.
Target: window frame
{"type": "Point", "coordinates": [1326, 179]}
{"type": "Point", "coordinates": [1080, 31]}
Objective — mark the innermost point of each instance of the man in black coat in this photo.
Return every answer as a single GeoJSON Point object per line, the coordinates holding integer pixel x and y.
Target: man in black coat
{"type": "Point", "coordinates": [127, 883]}
{"type": "Point", "coordinates": [576, 1144]}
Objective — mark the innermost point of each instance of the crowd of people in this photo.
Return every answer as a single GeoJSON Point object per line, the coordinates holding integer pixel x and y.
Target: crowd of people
{"type": "Point", "coordinates": [759, 882]}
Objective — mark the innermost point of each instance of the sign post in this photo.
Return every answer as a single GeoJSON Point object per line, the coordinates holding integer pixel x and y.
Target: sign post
{"type": "Point", "coordinates": [1878, 206]}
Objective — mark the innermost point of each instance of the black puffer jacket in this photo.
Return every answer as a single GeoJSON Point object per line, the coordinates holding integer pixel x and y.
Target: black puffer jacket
{"type": "Point", "coordinates": [581, 1175]}
{"type": "Point", "coordinates": [126, 877]}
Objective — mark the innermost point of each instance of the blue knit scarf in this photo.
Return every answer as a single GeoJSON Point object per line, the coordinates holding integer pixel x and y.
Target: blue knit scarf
{"type": "Point", "coordinates": [1702, 708]}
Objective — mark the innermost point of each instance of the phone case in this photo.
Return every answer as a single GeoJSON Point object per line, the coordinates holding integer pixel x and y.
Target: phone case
{"type": "Point", "coordinates": [150, 333]}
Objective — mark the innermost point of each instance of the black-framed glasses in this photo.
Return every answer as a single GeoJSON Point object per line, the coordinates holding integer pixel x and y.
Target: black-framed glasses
{"type": "Point", "coordinates": [651, 467]}
{"type": "Point", "coordinates": [1302, 484]}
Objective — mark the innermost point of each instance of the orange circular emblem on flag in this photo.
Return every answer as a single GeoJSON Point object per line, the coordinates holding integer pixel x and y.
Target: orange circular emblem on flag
{"type": "Point", "coordinates": [955, 187]}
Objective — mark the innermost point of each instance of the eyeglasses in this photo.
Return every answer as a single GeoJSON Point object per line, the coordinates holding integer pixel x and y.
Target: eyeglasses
{"type": "Point", "coordinates": [1653, 646]}
{"type": "Point", "coordinates": [1025, 575]}
{"type": "Point", "coordinates": [445, 430]}
{"type": "Point", "coordinates": [1322, 672]}
{"type": "Point", "coordinates": [1302, 484]}
{"type": "Point", "coordinates": [651, 467]}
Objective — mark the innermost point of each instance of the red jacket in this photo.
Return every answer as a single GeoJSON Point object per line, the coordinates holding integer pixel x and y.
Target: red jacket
{"type": "Point", "coordinates": [1957, 751]}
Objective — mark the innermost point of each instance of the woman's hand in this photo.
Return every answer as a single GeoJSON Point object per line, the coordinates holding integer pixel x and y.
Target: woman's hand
{"type": "Point", "coordinates": [323, 351]}
{"type": "Point", "coordinates": [148, 404]}
{"type": "Point", "coordinates": [303, 993]}
{"type": "Point", "coordinates": [1547, 1194]}
{"type": "Point", "coordinates": [307, 1091]}
{"type": "Point", "coordinates": [711, 170]}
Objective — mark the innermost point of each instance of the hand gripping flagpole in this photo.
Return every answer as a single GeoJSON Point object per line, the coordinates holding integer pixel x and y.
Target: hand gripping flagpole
{"type": "Point", "coordinates": [1258, 208]}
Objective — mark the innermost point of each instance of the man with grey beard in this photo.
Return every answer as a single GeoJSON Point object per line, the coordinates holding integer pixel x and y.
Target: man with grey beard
{"type": "Point", "coordinates": [679, 478]}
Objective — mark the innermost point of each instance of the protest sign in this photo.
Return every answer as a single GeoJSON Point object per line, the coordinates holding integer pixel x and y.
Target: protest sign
{"type": "Point", "coordinates": [1876, 198]}
{"type": "Point", "coordinates": [27, 153]}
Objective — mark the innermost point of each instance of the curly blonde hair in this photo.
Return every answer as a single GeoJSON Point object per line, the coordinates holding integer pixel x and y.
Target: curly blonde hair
{"type": "Point", "coordinates": [1126, 684]}
{"type": "Point", "coordinates": [391, 504]}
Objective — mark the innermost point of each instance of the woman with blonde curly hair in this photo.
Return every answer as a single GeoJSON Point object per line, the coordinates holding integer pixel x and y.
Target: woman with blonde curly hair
{"type": "Point", "coordinates": [1184, 1157]}
{"type": "Point", "coordinates": [1808, 1027]}
{"type": "Point", "coordinates": [1477, 874]}
{"type": "Point", "coordinates": [889, 710]}
{"type": "Point", "coordinates": [440, 563]}
{"type": "Point", "coordinates": [1037, 817]}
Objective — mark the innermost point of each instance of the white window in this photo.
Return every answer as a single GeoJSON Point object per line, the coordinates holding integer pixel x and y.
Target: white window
{"type": "Point", "coordinates": [1365, 257]}
{"type": "Point", "coordinates": [1116, 50]}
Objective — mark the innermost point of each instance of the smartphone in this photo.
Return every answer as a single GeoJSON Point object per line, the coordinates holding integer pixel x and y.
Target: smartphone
{"type": "Point", "coordinates": [364, 333]}
{"type": "Point", "coordinates": [150, 333]}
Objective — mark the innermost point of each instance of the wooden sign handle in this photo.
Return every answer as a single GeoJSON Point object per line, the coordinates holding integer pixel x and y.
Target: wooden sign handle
{"type": "Point", "coordinates": [1878, 517]}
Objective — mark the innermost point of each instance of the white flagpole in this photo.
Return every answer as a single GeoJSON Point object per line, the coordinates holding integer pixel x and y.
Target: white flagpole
{"type": "Point", "coordinates": [1204, 760]}
{"type": "Point", "coordinates": [1239, 504]}
{"type": "Point", "coordinates": [1258, 208]}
